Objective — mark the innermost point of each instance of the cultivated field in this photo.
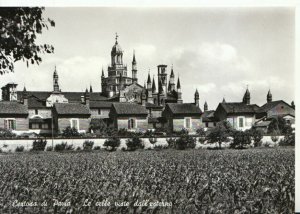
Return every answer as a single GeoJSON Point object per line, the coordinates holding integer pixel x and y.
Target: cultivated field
{"type": "Point", "coordinates": [165, 181]}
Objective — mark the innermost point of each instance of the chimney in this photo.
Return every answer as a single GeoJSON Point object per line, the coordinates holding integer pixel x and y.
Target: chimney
{"type": "Point", "coordinates": [25, 97]}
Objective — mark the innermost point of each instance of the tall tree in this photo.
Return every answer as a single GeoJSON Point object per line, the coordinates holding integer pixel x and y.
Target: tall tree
{"type": "Point", "coordinates": [19, 27]}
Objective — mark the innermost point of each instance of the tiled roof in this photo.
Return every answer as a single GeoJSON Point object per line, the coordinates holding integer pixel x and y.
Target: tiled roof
{"type": "Point", "coordinates": [100, 104]}
{"type": "Point", "coordinates": [239, 107]}
{"type": "Point", "coordinates": [266, 107]}
{"type": "Point", "coordinates": [129, 109]}
{"type": "Point", "coordinates": [71, 109]}
{"type": "Point", "coordinates": [262, 124]}
{"type": "Point", "coordinates": [37, 99]}
{"type": "Point", "coordinates": [151, 105]}
{"type": "Point", "coordinates": [12, 108]}
{"type": "Point", "coordinates": [208, 116]}
{"type": "Point", "coordinates": [183, 108]}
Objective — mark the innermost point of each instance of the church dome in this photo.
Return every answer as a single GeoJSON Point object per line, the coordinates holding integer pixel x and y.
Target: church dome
{"type": "Point", "coordinates": [116, 48]}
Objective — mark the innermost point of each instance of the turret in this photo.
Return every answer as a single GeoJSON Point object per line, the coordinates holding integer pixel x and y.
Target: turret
{"type": "Point", "coordinates": [55, 82]}
{"type": "Point", "coordinates": [179, 94]}
{"type": "Point", "coordinates": [223, 101]}
{"type": "Point", "coordinates": [149, 90]}
{"type": "Point", "coordinates": [149, 82]}
{"type": "Point", "coordinates": [25, 97]}
{"type": "Point", "coordinates": [153, 86]}
{"type": "Point", "coordinates": [205, 106]}
{"type": "Point", "coordinates": [87, 98]}
{"type": "Point", "coordinates": [246, 98]}
{"type": "Point", "coordinates": [196, 98]}
{"type": "Point", "coordinates": [293, 104]}
{"type": "Point", "coordinates": [162, 76]}
{"type": "Point", "coordinates": [172, 80]}
{"type": "Point", "coordinates": [91, 89]}
{"type": "Point", "coordinates": [269, 96]}
{"type": "Point", "coordinates": [134, 68]}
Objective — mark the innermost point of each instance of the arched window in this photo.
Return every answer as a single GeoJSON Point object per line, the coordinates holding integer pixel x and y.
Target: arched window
{"type": "Point", "coordinates": [131, 123]}
{"type": "Point", "coordinates": [154, 100]}
{"type": "Point", "coordinates": [162, 101]}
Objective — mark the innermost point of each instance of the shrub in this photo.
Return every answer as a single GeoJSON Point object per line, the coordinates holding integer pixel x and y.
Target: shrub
{"type": "Point", "coordinates": [78, 148]}
{"type": "Point", "coordinates": [49, 148]}
{"type": "Point", "coordinates": [257, 136]}
{"type": "Point", "coordinates": [149, 134]}
{"type": "Point", "coordinates": [97, 148]}
{"type": "Point", "coordinates": [220, 133]}
{"type": "Point", "coordinates": [70, 132]}
{"type": "Point", "coordinates": [134, 143]}
{"type": "Point", "coordinates": [288, 140]}
{"type": "Point", "coordinates": [240, 140]}
{"type": "Point", "coordinates": [39, 145]}
{"type": "Point", "coordinates": [6, 133]}
{"type": "Point", "coordinates": [200, 132]}
{"type": "Point", "coordinates": [185, 141]}
{"type": "Point", "coordinates": [20, 149]}
{"type": "Point", "coordinates": [201, 139]}
{"type": "Point", "coordinates": [160, 147]}
{"type": "Point", "coordinates": [152, 140]}
{"type": "Point", "coordinates": [274, 138]}
{"type": "Point", "coordinates": [112, 143]}
{"type": "Point", "coordinates": [69, 147]}
{"type": "Point", "coordinates": [88, 145]}
{"type": "Point", "coordinates": [60, 147]}
{"type": "Point", "coordinates": [171, 142]}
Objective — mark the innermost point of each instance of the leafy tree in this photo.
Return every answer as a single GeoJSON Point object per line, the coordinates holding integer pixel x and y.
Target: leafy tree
{"type": "Point", "coordinates": [220, 133]}
{"type": "Point", "coordinates": [19, 27]}
{"type": "Point", "coordinates": [134, 143]}
{"type": "Point", "coordinates": [70, 132]}
{"type": "Point", "coordinates": [113, 143]}
{"type": "Point", "coordinates": [240, 139]}
{"type": "Point", "coordinates": [39, 145]}
{"type": "Point", "coordinates": [200, 132]}
{"type": "Point", "coordinates": [185, 141]}
{"type": "Point", "coordinates": [99, 127]}
{"type": "Point", "coordinates": [256, 135]}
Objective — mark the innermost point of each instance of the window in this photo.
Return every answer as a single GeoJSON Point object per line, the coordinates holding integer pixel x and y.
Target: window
{"type": "Point", "coordinates": [131, 124]}
{"type": "Point", "coordinates": [75, 123]}
{"type": "Point", "coordinates": [154, 100]}
{"type": "Point", "coordinates": [45, 126]}
{"type": "Point", "coordinates": [188, 122]}
{"type": "Point", "coordinates": [99, 111]}
{"type": "Point", "coordinates": [36, 111]}
{"type": "Point", "coordinates": [10, 124]}
{"type": "Point", "coordinates": [206, 124]}
{"type": "Point", "coordinates": [241, 122]}
{"type": "Point", "coordinates": [35, 126]}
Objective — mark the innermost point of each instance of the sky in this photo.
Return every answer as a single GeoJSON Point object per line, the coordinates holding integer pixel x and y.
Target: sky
{"type": "Point", "coordinates": [219, 51]}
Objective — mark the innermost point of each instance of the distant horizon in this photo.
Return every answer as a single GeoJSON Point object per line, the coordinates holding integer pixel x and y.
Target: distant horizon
{"type": "Point", "coordinates": [219, 51]}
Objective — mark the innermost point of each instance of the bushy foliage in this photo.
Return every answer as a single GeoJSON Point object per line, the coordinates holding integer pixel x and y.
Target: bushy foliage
{"type": "Point", "coordinates": [171, 142]}
{"type": "Point", "coordinates": [99, 127]}
{"type": "Point", "coordinates": [97, 147]}
{"type": "Point", "coordinates": [220, 133]}
{"type": "Point", "coordinates": [185, 141]}
{"type": "Point", "coordinates": [60, 147]}
{"type": "Point", "coordinates": [6, 133]}
{"type": "Point", "coordinates": [49, 148]}
{"type": "Point", "coordinates": [18, 32]}
{"type": "Point", "coordinates": [201, 132]}
{"type": "Point", "coordinates": [152, 140]}
{"type": "Point", "coordinates": [70, 132]}
{"type": "Point", "coordinates": [112, 143]}
{"type": "Point", "coordinates": [39, 145]}
{"type": "Point", "coordinates": [19, 149]}
{"type": "Point", "coordinates": [279, 125]}
{"type": "Point", "coordinates": [274, 138]}
{"type": "Point", "coordinates": [134, 143]}
{"type": "Point", "coordinates": [88, 145]}
{"type": "Point", "coordinates": [256, 136]}
{"type": "Point", "coordinates": [240, 140]}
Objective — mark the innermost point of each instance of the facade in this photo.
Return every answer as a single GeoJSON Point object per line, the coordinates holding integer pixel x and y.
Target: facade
{"type": "Point", "coordinates": [241, 115]}
{"type": "Point", "coordinates": [182, 116]}
{"type": "Point", "coordinates": [130, 116]}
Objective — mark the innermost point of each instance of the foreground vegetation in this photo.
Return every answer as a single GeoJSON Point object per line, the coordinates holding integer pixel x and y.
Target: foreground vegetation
{"type": "Point", "coordinates": [189, 181]}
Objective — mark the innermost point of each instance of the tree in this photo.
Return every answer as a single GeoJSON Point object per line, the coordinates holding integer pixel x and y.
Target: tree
{"type": "Point", "coordinates": [240, 139]}
{"type": "Point", "coordinates": [220, 133]}
{"type": "Point", "coordinates": [134, 143]}
{"type": "Point", "coordinates": [19, 27]}
{"type": "Point", "coordinates": [185, 141]}
{"type": "Point", "coordinates": [256, 135]}
{"type": "Point", "coordinates": [70, 132]}
{"type": "Point", "coordinates": [113, 143]}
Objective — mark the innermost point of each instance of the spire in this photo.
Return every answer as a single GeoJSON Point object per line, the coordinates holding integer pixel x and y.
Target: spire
{"type": "Point", "coordinates": [178, 84]}
{"type": "Point", "coordinates": [269, 96]}
{"type": "Point", "coordinates": [153, 86]}
{"type": "Point", "coordinates": [246, 98]}
{"type": "Point", "coordinates": [24, 89]}
{"type": "Point", "coordinates": [205, 106]}
{"type": "Point", "coordinates": [172, 72]}
{"type": "Point", "coordinates": [223, 101]}
{"type": "Point", "coordinates": [117, 38]}
{"type": "Point", "coordinates": [55, 81]}
{"type": "Point", "coordinates": [102, 72]}
{"type": "Point", "coordinates": [149, 79]}
{"type": "Point", "coordinates": [196, 97]}
{"type": "Point", "coordinates": [133, 59]}
{"type": "Point", "coordinates": [196, 93]}
{"type": "Point", "coordinates": [169, 86]}
{"type": "Point", "coordinates": [91, 89]}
